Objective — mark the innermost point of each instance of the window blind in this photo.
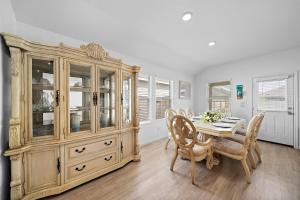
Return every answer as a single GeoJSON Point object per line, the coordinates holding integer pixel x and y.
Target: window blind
{"type": "Point", "coordinates": [219, 97]}
{"type": "Point", "coordinates": [163, 97]}
{"type": "Point", "coordinates": [272, 95]}
{"type": "Point", "coordinates": [144, 97]}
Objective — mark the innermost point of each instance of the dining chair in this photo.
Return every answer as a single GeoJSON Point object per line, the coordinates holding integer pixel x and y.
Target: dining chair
{"type": "Point", "coordinates": [254, 146]}
{"type": "Point", "coordinates": [190, 114]}
{"type": "Point", "coordinates": [182, 112]}
{"type": "Point", "coordinates": [169, 114]}
{"type": "Point", "coordinates": [235, 150]}
{"type": "Point", "coordinates": [188, 146]}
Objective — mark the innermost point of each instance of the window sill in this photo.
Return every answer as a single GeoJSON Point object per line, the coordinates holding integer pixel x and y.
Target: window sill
{"type": "Point", "coordinates": [145, 122]}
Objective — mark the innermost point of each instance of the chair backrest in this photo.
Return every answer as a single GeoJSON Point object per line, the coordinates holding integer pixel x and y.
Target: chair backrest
{"type": "Point", "coordinates": [183, 132]}
{"type": "Point", "coordinates": [251, 130]}
{"type": "Point", "coordinates": [169, 114]}
{"type": "Point", "coordinates": [182, 112]}
{"type": "Point", "coordinates": [258, 125]}
{"type": "Point", "coordinates": [190, 113]}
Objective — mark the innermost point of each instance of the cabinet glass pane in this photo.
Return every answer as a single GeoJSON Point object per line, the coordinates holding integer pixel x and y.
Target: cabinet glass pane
{"type": "Point", "coordinates": [106, 102]}
{"type": "Point", "coordinates": [126, 95]}
{"type": "Point", "coordinates": [42, 97]}
{"type": "Point", "coordinates": [80, 98]}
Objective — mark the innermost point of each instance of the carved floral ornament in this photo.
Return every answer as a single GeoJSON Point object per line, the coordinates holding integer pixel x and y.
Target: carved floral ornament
{"type": "Point", "coordinates": [94, 50]}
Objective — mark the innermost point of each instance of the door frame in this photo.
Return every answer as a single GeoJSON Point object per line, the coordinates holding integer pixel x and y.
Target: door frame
{"type": "Point", "coordinates": [296, 142]}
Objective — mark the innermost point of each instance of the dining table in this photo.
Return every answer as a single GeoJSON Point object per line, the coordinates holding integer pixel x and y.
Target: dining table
{"type": "Point", "coordinates": [223, 128]}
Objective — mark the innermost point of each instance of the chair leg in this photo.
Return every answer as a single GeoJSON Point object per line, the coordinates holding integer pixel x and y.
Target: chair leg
{"type": "Point", "coordinates": [249, 163]}
{"type": "Point", "coordinates": [258, 151]}
{"type": "Point", "coordinates": [246, 169]}
{"type": "Point", "coordinates": [174, 159]}
{"type": "Point", "coordinates": [210, 161]}
{"type": "Point", "coordinates": [167, 143]}
{"type": "Point", "coordinates": [193, 170]}
{"type": "Point", "coordinates": [252, 159]}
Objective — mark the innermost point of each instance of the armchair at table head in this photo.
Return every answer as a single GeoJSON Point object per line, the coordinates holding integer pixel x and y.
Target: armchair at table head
{"type": "Point", "coordinates": [187, 145]}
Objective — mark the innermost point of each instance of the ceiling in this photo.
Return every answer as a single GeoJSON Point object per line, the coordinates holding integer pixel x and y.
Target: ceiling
{"type": "Point", "coordinates": [153, 30]}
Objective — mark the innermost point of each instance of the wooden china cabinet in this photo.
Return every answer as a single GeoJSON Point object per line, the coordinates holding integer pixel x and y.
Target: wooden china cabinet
{"type": "Point", "coordinates": [74, 116]}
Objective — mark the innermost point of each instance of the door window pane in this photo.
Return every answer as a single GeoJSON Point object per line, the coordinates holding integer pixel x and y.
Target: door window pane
{"type": "Point", "coordinates": [107, 105]}
{"type": "Point", "coordinates": [272, 95]}
{"type": "Point", "coordinates": [42, 97]}
{"type": "Point", "coordinates": [80, 98]}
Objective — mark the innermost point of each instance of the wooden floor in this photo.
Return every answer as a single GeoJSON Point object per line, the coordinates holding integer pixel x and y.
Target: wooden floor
{"type": "Point", "coordinates": [278, 177]}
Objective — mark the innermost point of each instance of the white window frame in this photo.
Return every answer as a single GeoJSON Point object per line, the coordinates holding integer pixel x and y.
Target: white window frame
{"type": "Point", "coordinates": [216, 83]}
{"type": "Point", "coordinates": [150, 98]}
{"type": "Point", "coordinates": [170, 93]}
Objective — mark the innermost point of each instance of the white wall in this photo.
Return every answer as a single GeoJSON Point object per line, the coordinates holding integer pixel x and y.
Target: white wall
{"type": "Point", "coordinates": [149, 132]}
{"type": "Point", "coordinates": [7, 24]}
{"type": "Point", "coordinates": [242, 72]}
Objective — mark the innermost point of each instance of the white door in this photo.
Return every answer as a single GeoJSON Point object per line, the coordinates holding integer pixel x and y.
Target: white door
{"type": "Point", "coordinates": [275, 97]}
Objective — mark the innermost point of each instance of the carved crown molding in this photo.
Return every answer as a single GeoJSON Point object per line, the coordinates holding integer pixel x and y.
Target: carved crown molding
{"type": "Point", "coordinates": [94, 50]}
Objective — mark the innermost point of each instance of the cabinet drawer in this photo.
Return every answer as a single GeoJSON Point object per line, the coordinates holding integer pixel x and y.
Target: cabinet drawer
{"type": "Point", "coordinates": [90, 166]}
{"type": "Point", "coordinates": [82, 149]}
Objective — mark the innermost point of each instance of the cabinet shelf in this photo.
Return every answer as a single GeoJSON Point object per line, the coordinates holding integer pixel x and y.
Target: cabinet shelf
{"type": "Point", "coordinates": [80, 89]}
{"type": "Point", "coordinates": [42, 111]}
{"type": "Point", "coordinates": [80, 109]}
{"type": "Point", "coordinates": [42, 87]}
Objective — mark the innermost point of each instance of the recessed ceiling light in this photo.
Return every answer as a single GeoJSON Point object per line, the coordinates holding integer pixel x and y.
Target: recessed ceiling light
{"type": "Point", "coordinates": [187, 16]}
{"type": "Point", "coordinates": [211, 44]}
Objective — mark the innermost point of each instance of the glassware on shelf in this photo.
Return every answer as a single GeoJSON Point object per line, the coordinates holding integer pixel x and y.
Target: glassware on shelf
{"type": "Point", "coordinates": [106, 101]}
{"type": "Point", "coordinates": [42, 97]}
{"type": "Point", "coordinates": [80, 98]}
{"type": "Point", "coordinates": [126, 98]}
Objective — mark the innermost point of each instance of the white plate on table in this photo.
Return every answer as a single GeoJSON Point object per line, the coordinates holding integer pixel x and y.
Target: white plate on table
{"type": "Point", "coordinates": [233, 118]}
{"type": "Point", "coordinates": [228, 121]}
{"type": "Point", "coordinates": [196, 118]}
{"type": "Point", "coordinates": [222, 125]}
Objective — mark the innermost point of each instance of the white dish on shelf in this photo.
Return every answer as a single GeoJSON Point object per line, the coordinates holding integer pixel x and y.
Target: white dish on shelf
{"type": "Point", "coordinates": [222, 125]}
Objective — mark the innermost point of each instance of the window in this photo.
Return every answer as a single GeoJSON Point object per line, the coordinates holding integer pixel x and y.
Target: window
{"type": "Point", "coordinates": [144, 97]}
{"type": "Point", "coordinates": [163, 97]}
{"type": "Point", "coordinates": [272, 95]}
{"type": "Point", "coordinates": [219, 97]}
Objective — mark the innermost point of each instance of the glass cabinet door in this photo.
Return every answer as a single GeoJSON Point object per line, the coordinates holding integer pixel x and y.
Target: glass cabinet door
{"type": "Point", "coordinates": [126, 99]}
{"type": "Point", "coordinates": [43, 94]}
{"type": "Point", "coordinates": [80, 95]}
{"type": "Point", "coordinates": [107, 98]}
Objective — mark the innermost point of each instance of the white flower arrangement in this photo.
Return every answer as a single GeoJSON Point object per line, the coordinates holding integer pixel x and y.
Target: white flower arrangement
{"type": "Point", "coordinates": [210, 116]}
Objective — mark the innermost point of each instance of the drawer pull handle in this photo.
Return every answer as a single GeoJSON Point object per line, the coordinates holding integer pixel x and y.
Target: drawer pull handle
{"type": "Point", "coordinates": [108, 159]}
{"type": "Point", "coordinates": [80, 169]}
{"type": "Point", "coordinates": [80, 151]}
{"type": "Point", "coordinates": [106, 143]}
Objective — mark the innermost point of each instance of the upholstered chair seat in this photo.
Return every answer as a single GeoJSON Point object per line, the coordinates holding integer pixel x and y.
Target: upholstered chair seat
{"type": "Point", "coordinates": [241, 131]}
{"type": "Point", "coordinates": [238, 138]}
{"type": "Point", "coordinates": [230, 147]}
{"type": "Point", "coordinates": [198, 151]}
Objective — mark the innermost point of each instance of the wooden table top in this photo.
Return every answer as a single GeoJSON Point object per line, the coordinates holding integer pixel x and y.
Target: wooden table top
{"type": "Point", "coordinates": [210, 129]}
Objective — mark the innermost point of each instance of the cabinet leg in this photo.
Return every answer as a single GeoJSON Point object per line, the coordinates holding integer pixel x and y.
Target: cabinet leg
{"type": "Point", "coordinates": [16, 187]}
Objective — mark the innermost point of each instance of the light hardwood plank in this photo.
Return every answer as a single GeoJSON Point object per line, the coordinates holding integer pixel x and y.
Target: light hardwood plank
{"type": "Point", "coordinates": [277, 177]}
